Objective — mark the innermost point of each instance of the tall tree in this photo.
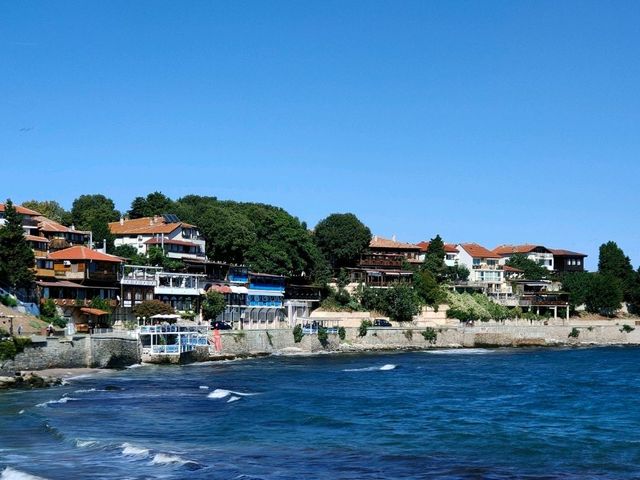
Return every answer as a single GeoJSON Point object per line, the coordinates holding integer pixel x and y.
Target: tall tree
{"type": "Point", "coordinates": [604, 295]}
{"type": "Point", "coordinates": [532, 270]}
{"type": "Point", "coordinates": [16, 257]}
{"type": "Point", "coordinates": [342, 238]}
{"type": "Point", "coordinates": [434, 258]}
{"type": "Point", "coordinates": [50, 209]}
{"type": "Point", "coordinates": [94, 212]}
{"type": "Point", "coordinates": [213, 305]}
{"type": "Point", "coordinates": [155, 203]}
{"type": "Point", "coordinates": [614, 263]}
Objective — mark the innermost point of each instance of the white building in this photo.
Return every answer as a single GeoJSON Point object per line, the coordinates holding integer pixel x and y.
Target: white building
{"type": "Point", "coordinates": [484, 267]}
{"type": "Point", "coordinates": [538, 253]}
{"type": "Point", "coordinates": [178, 239]}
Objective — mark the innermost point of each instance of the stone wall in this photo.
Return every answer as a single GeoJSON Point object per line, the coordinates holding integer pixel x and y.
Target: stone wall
{"type": "Point", "coordinates": [76, 352]}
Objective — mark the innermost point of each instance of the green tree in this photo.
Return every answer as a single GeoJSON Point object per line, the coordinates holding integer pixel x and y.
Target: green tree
{"type": "Point", "coordinates": [614, 263]}
{"type": "Point", "coordinates": [94, 212]}
{"type": "Point", "coordinates": [342, 238]}
{"type": "Point", "coordinates": [434, 258]}
{"type": "Point", "coordinates": [605, 294]}
{"type": "Point", "coordinates": [50, 209]}
{"type": "Point", "coordinates": [155, 203]}
{"type": "Point", "coordinates": [532, 270]}
{"type": "Point", "coordinates": [149, 308]}
{"type": "Point", "coordinates": [577, 285]}
{"type": "Point", "coordinates": [213, 305]}
{"type": "Point", "coordinates": [456, 273]}
{"type": "Point", "coordinates": [16, 257]}
{"type": "Point", "coordinates": [131, 253]}
{"type": "Point", "coordinates": [428, 289]}
{"type": "Point", "coordinates": [402, 303]}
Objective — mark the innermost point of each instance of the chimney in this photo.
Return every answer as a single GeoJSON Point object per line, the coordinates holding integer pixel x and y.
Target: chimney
{"type": "Point", "coordinates": [150, 221]}
{"type": "Point", "coordinates": [393, 237]}
{"type": "Point", "coordinates": [375, 238]}
{"type": "Point", "coordinates": [73, 227]}
{"type": "Point", "coordinates": [121, 221]}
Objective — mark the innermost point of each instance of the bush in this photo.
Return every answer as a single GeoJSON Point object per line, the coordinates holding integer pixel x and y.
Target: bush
{"type": "Point", "coordinates": [7, 349]}
{"type": "Point", "coordinates": [21, 343]}
{"type": "Point", "coordinates": [408, 334]}
{"type": "Point", "coordinates": [430, 335]}
{"type": "Point", "coordinates": [149, 308]}
{"type": "Point", "coordinates": [297, 333]}
{"type": "Point", "coordinates": [59, 321]}
{"type": "Point", "coordinates": [364, 326]}
{"type": "Point", "coordinates": [574, 333]}
{"type": "Point", "coordinates": [342, 333]}
{"type": "Point", "coordinates": [627, 328]}
{"type": "Point", "coordinates": [323, 336]}
{"type": "Point", "coordinates": [8, 301]}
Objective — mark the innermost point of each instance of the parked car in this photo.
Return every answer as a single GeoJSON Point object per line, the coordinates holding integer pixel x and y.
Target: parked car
{"type": "Point", "coordinates": [381, 322]}
{"type": "Point", "coordinates": [222, 326]}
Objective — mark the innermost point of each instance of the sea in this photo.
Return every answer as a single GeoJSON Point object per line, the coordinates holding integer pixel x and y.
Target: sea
{"type": "Point", "coordinates": [436, 414]}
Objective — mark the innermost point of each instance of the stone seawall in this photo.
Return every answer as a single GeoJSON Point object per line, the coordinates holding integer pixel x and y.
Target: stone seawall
{"type": "Point", "coordinates": [76, 352]}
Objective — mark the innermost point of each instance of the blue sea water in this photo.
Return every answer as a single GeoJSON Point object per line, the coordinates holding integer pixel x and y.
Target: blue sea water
{"type": "Point", "coordinates": [445, 414]}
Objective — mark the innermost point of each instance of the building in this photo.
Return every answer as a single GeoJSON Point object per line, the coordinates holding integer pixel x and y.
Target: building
{"type": "Point", "coordinates": [566, 261]}
{"type": "Point", "coordinates": [177, 239]}
{"type": "Point", "coordinates": [384, 263]}
{"type": "Point", "coordinates": [485, 271]}
{"type": "Point", "coordinates": [537, 253]}
{"type": "Point", "coordinates": [450, 253]}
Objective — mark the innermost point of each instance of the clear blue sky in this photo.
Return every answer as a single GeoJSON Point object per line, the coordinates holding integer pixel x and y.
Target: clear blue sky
{"type": "Point", "coordinates": [495, 122]}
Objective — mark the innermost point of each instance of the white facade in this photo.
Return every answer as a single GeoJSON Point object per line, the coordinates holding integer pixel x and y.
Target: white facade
{"type": "Point", "coordinates": [173, 243]}
{"type": "Point", "coordinates": [545, 259]}
{"type": "Point", "coordinates": [485, 272]}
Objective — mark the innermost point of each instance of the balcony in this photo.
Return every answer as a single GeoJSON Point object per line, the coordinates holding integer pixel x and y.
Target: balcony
{"type": "Point", "coordinates": [76, 302]}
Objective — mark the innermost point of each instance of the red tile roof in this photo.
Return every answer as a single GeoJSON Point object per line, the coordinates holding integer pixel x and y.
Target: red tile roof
{"type": "Point", "coordinates": [507, 268]}
{"type": "Point", "coordinates": [379, 242]}
{"type": "Point", "coordinates": [566, 253]}
{"type": "Point", "coordinates": [33, 238]}
{"type": "Point", "coordinates": [21, 210]}
{"type": "Point", "coordinates": [504, 250]}
{"type": "Point", "coordinates": [478, 251]}
{"type": "Point", "coordinates": [145, 226]}
{"type": "Point", "coordinates": [83, 253]}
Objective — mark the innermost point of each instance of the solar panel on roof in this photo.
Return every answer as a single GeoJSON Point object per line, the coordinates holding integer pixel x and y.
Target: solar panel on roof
{"type": "Point", "coordinates": [170, 218]}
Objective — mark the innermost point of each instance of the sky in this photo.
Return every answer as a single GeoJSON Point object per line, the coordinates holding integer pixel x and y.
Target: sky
{"type": "Point", "coordinates": [497, 122]}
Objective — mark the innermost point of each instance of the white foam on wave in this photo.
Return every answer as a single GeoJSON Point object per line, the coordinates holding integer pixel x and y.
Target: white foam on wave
{"type": "Point", "coordinates": [222, 393]}
{"type": "Point", "coordinates": [233, 399]}
{"type": "Point", "coordinates": [168, 459]}
{"type": "Point", "coordinates": [460, 351]}
{"type": "Point", "coordinates": [85, 390]}
{"type": "Point", "coordinates": [137, 365]}
{"type": "Point", "coordinates": [203, 387]}
{"type": "Point", "coordinates": [388, 366]}
{"type": "Point", "coordinates": [85, 443]}
{"type": "Point", "coordinates": [20, 412]}
{"type": "Point", "coordinates": [129, 450]}
{"type": "Point", "coordinates": [61, 400]}
{"type": "Point", "coordinates": [13, 474]}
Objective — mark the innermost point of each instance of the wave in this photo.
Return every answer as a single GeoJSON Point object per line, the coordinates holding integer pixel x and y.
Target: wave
{"type": "Point", "coordinates": [129, 450]}
{"type": "Point", "coordinates": [13, 474]}
{"type": "Point", "coordinates": [203, 387]}
{"type": "Point", "coordinates": [86, 443]}
{"type": "Point", "coordinates": [171, 459]}
{"type": "Point", "coordinates": [233, 399]}
{"type": "Point", "coordinates": [137, 365]}
{"type": "Point", "coordinates": [222, 393]}
{"type": "Point", "coordinates": [61, 400]}
{"type": "Point", "coordinates": [388, 366]}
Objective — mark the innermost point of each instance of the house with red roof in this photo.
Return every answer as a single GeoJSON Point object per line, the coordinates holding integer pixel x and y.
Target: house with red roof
{"type": "Point", "coordinates": [537, 253]}
{"type": "Point", "coordinates": [565, 261]}
{"type": "Point", "coordinates": [177, 239]}
{"type": "Point", "coordinates": [485, 270]}
{"type": "Point", "coordinates": [450, 253]}
{"type": "Point", "coordinates": [382, 264]}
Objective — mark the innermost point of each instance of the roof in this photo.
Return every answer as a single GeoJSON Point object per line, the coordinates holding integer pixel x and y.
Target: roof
{"type": "Point", "coordinates": [478, 251]}
{"type": "Point", "coordinates": [167, 241]}
{"type": "Point", "coordinates": [47, 225]}
{"type": "Point", "coordinates": [33, 238]}
{"type": "Point", "coordinates": [145, 225]}
{"type": "Point", "coordinates": [448, 247]}
{"type": "Point", "coordinates": [93, 311]}
{"type": "Point", "coordinates": [507, 268]}
{"type": "Point", "coordinates": [566, 253]}
{"type": "Point", "coordinates": [510, 249]}
{"type": "Point", "coordinates": [80, 252]}
{"type": "Point", "coordinates": [66, 283]}
{"type": "Point", "coordinates": [379, 242]}
{"type": "Point", "coordinates": [21, 210]}
{"type": "Point", "coordinates": [220, 288]}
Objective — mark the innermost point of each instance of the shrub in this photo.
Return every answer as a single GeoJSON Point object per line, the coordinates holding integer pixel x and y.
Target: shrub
{"type": "Point", "coordinates": [149, 308]}
{"type": "Point", "coordinates": [8, 301]}
{"type": "Point", "coordinates": [364, 326]}
{"type": "Point", "coordinates": [342, 333]}
{"type": "Point", "coordinates": [297, 333]}
{"type": "Point", "coordinates": [408, 334]}
{"type": "Point", "coordinates": [21, 343]}
{"type": "Point", "coordinates": [7, 349]}
{"type": "Point", "coordinates": [323, 336]}
{"type": "Point", "coordinates": [574, 333]}
{"type": "Point", "coordinates": [59, 321]}
{"type": "Point", "coordinates": [627, 328]}
{"type": "Point", "coordinates": [430, 335]}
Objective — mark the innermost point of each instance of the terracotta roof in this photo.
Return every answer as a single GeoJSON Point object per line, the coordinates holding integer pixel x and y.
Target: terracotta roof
{"type": "Point", "coordinates": [379, 242]}
{"type": "Point", "coordinates": [145, 225]}
{"type": "Point", "coordinates": [47, 225]}
{"type": "Point", "coordinates": [507, 268]}
{"type": "Point", "coordinates": [80, 252]}
{"type": "Point", "coordinates": [566, 253]}
{"type": "Point", "coordinates": [158, 241]}
{"type": "Point", "coordinates": [448, 247]}
{"type": "Point", "coordinates": [94, 311]}
{"type": "Point", "coordinates": [510, 249]}
{"type": "Point", "coordinates": [21, 210]}
{"type": "Point", "coordinates": [33, 238]}
{"type": "Point", "coordinates": [478, 251]}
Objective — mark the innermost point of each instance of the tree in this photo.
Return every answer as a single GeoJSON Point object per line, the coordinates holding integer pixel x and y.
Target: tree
{"type": "Point", "coordinates": [531, 269]}
{"type": "Point", "coordinates": [50, 209]}
{"type": "Point", "coordinates": [157, 258]}
{"type": "Point", "coordinates": [577, 285]}
{"type": "Point", "coordinates": [342, 238]}
{"type": "Point", "coordinates": [456, 273]}
{"type": "Point", "coordinates": [155, 203]}
{"type": "Point", "coordinates": [614, 263]}
{"type": "Point", "coordinates": [131, 253]}
{"type": "Point", "coordinates": [213, 305]}
{"type": "Point", "coordinates": [402, 303]}
{"type": "Point", "coordinates": [605, 294]}
{"type": "Point", "coordinates": [434, 258]}
{"type": "Point", "coordinates": [16, 257]}
{"type": "Point", "coordinates": [94, 212]}
{"type": "Point", "coordinates": [428, 289]}
{"type": "Point", "coordinates": [149, 308]}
